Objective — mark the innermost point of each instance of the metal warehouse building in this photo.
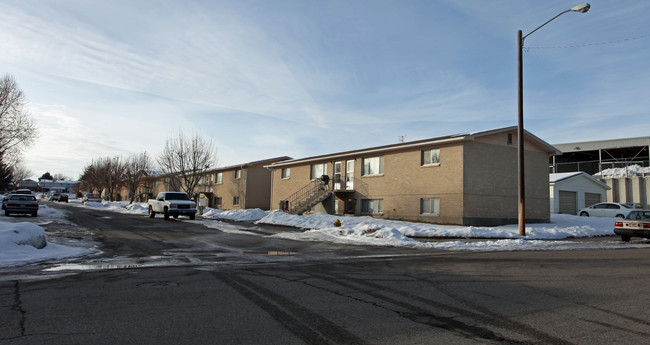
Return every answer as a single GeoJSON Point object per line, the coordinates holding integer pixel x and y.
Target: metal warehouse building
{"type": "Point", "coordinates": [595, 156]}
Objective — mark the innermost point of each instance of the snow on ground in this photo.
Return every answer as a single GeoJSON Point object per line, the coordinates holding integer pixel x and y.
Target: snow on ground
{"type": "Point", "coordinates": [248, 215]}
{"type": "Point", "coordinates": [25, 242]}
{"type": "Point", "coordinates": [19, 241]}
{"type": "Point", "coordinates": [561, 226]}
{"type": "Point", "coordinates": [373, 231]}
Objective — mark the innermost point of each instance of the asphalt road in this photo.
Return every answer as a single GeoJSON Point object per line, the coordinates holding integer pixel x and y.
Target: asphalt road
{"type": "Point", "coordinates": [174, 282]}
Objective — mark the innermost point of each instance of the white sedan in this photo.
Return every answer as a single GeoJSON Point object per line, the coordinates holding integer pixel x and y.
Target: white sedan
{"type": "Point", "coordinates": [606, 209]}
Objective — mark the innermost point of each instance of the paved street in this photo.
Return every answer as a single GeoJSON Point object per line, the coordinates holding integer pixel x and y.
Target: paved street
{"type": "Point", "coordinates": [173, 282]}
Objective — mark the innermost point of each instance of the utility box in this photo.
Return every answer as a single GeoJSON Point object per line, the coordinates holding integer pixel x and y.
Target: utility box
{"type": "Point", "coordinates": [203, 202]}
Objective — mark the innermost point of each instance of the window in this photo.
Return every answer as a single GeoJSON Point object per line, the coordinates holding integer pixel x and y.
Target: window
{"type": "Point", "coordinates": [219, 178]}
{"type": "Point", "coordinates": [318, 170]}
{"type": "Point", "coordinates": [286, 173]}
{"type": "Point", "coordinates": [372, 205]}
{"type": "Point", "coordinates": [509, 138]}
{"type": "Point", "coordinates": [430, 206]}
{"type": "Point", "coordinates": [217, 201]}
{"type": "Point", "coordinates": [235, 201]}
{"type": "Point", "coordinates": [237, 174]}
{"type": "Point", "coordinates": [431, 157]}
{"type": "Point", "coordinates": [373, 166]}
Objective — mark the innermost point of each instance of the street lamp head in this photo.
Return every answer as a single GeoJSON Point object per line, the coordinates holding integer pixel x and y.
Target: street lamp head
{"type": "Point", "coordinates": [581, 8]}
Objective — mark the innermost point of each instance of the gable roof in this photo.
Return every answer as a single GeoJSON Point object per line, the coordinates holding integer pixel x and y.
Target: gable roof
{"type": "Point", "coordinates": [258, 163]}
{"type": "Point", "coordinates": [471, 136]}
{"type": "Point", "coordinates": [562, 177]}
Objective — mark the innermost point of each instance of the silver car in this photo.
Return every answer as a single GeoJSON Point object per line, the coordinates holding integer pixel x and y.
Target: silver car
{"type": "Point", "coordinates": [606, 209]}
{"type": "Point", "coordinates": [636, 224]}
{"type": "Point", "coordinates": [21, 203]}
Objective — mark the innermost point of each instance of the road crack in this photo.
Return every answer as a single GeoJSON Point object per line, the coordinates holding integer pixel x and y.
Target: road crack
{"type": "Point", "coordinates": [18, 306]}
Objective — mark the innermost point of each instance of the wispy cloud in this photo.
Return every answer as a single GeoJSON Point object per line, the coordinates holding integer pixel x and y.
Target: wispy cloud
{"type": "Point", "coordinates": [303, 78]}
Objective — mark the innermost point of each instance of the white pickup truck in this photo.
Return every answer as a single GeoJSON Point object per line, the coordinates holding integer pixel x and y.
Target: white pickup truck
{"type": "Point", "coordinates": [172, 204]}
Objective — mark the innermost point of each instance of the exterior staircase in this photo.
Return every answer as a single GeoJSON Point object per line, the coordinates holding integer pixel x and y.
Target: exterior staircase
{"type": "Point", "coordinates": [307, 197]}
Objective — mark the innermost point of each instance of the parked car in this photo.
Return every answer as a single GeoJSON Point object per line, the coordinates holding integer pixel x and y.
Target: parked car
{"type": "Point", "coordinates": [22, 191]}
{"type": "Point", "coordinates": [21, 203]}
{"type": "Point", "coordinates": [62, 197]}
{"type": "Point", "coordinates": [636, 224]}
{"type": "Point", "coordinates": [606, 209]}
{"type": "Point", "coordinates": [54, 196]}
{"type": "Point", "coordinates": [5, 197]}
{"type": "Point", "coordinates": [90, 197]}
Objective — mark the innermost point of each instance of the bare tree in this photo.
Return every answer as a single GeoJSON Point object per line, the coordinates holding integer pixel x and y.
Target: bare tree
{"type": "Point", "coordinates": [17, 128]}
{"type": "Point", "coordinates": [90, 180]}
{"type": "Point", "coordinates": [136, 169]}
{"type": "Point", "coordinates": [20, 172]}
{"type": "Point", "coordinates": [187, 159]}
{"type": "Point", "coordinates": [108, 173]}
{"type": "Point", "coordinates": [6, 176]}
{"type": "Point", "coordinates": [60, 177]}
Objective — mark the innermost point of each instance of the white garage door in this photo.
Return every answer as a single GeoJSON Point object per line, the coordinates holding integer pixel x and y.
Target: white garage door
{"type": "Point", "coordinates": [568, 202]}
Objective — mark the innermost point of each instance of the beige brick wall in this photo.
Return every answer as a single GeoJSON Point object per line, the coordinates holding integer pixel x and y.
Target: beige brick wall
{"type": "Point", "coordinates": [476, 182]}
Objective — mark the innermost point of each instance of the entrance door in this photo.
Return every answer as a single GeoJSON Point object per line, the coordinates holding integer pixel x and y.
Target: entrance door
{"type": "Point", "coordinates": [349, 175]}
{"type": "Point", "coordinates": [337, 175]}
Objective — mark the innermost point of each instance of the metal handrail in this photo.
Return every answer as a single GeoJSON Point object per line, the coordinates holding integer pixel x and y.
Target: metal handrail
{"type": "Point", "coordinates": [307, 195]}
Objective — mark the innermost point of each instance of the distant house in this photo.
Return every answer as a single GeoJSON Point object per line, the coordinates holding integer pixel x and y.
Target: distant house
{"type": "Point", "coordinates": [572, 191]}
{"type": "Point", "coordinates": [29, 184]}
{"type": "Point", "coordinates": [59, 186]}
{"type": "Point", "coordinates": [241, 186]}
{"type": "Point", "coordinates": [465, 179]}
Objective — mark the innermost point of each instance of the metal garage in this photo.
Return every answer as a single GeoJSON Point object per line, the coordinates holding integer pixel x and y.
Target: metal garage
{"type": "Point", "coordinates": [568, 202]}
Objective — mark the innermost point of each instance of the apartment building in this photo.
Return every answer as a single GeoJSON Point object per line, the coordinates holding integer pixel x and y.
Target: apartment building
{"type": "Point", "coordinates": [464, 179]}
{"type": "Point", "coordinates": [240, 186]}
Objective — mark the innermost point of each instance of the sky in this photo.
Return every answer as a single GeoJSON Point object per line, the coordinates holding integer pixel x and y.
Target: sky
{"type": "Point", "coordinates": [298, 78]}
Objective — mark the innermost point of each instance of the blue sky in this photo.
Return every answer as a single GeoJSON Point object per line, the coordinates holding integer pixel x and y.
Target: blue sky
{"type": "Point", "coordinates": [272, 78]}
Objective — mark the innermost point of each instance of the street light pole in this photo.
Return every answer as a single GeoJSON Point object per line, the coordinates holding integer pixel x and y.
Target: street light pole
{"type": "Point", "coordinates": [521, 183]}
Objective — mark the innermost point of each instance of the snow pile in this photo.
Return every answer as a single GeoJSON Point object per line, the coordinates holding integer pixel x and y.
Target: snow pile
{"type": "Point", "coordinates": [137, 208]}
{"type": "Point", "coordinates": [120, 206]}
{"type": "Point", "coordinates": [23, 234]}
{"type": "Point", "coordinates": [24, 242]}
{"type": "Point", "coordinates": [248, 215]}
{"type": "Point", "coordinates": [629, 171]}
{"type": "Point", "coordinates": [390, 233]}
{"type": "Point", "coordinates": [561, 226]}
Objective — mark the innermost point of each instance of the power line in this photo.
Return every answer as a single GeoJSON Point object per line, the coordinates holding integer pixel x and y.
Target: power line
{"type": "Point", "coordinates": [588, 44]}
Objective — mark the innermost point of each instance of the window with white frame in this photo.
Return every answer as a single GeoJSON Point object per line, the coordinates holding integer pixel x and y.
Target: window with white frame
{"type": "Point", "coordinates": [219, 178]}
{"type": "Point", "coordinates": [372, 166]}
{"type": "Point", "coordinates": [372, 205]}
{"type": "Point", "coordinates": [430, 206]}
{"type": "Point", "coordinates": [286, 173]}
{"type": "Point", "coordinates": [318, 170]}
{"type": "Point", "coordinates": [431, 157]}
{"type": "Point", "coordinates": [237, 174]}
